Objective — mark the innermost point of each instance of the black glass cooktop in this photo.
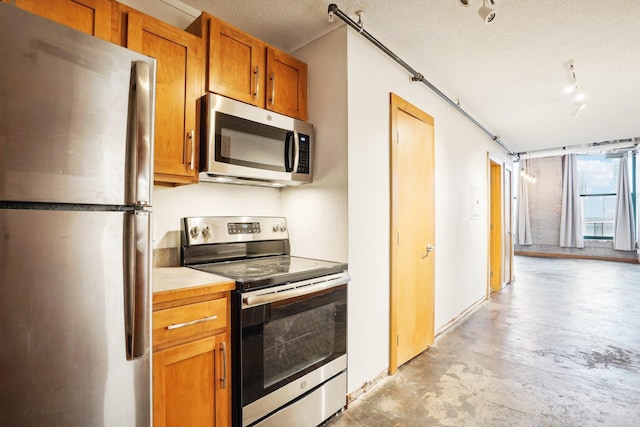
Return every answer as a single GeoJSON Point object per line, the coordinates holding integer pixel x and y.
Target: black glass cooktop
{"type": "Point", "coordinates": [271, 271]}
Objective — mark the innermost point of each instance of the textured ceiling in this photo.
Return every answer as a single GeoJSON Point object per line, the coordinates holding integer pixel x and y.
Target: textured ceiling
{"type": "Point", "coordinates": [510, 75]}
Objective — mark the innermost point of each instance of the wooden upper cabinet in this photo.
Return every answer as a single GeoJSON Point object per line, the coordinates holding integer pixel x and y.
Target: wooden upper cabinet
{"type": "Point", "coordinates": [242, 67]}
{"type": "Point", "coordinates": [178, 88]}
{"type": "Point", "coordinates": [286, 84]}
{"type": "Point", "coordinates": [236, 63]}
{"type": "Point", "coordinates": [89, 16]}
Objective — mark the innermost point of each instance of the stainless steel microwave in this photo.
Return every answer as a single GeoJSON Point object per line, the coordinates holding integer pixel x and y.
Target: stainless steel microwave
{"type": "Point", "coordinates": [244, 144]}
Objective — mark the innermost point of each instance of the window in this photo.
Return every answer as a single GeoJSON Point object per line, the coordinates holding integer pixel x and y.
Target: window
{"type": "Point", "coordinates": [597, 184]}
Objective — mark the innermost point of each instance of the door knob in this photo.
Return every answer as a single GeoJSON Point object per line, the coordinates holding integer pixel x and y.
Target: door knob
{"type": "Point", "coordinates": [429, 249]}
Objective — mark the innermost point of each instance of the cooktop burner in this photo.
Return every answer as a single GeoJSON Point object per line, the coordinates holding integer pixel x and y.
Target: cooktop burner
{"type": "Point", "coordinates": [270, 271]}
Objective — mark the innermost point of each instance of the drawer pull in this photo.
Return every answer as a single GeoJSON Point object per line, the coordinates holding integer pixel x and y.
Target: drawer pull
{"type": "Point", "coordinates": [192, 322]}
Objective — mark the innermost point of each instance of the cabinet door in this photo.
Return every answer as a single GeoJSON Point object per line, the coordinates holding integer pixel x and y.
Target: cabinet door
{"type": "Point", "coordinates": [89, 16]}
{"type": "Point", "coordinates": [191, 384]}
{"type": "Point", "coordinates": [178, 87]}
{"type": "Point", "coordinates": [286, 84]}
{"type": "Point", "coordinates": [236, 66]}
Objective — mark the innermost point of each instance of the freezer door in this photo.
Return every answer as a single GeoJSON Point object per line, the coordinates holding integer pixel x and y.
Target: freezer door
{"type": "Point", "coordinates": [64, 349]}
{"type": "Point", "coordinates": [69, 126]}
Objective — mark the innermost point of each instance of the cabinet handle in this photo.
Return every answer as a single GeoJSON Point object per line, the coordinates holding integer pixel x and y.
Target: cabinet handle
{"type": "Point", "coordinates": [192, 322]}
{"type": "Point", "coordinates": [223, 349]}
{"type": "Point", "coordinates": [273, 88]}
{"type": "Point", "coordinates": [257, 77]}
{"type": "Point", "coordinates": [192, 137]}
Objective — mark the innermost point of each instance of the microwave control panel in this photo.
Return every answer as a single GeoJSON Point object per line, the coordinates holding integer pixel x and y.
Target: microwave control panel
{"type": "Point", "coordinates": [303, 160]}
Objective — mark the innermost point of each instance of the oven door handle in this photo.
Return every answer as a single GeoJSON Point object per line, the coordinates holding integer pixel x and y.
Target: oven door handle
{"type": "Point", "coordinates": [252, 301]}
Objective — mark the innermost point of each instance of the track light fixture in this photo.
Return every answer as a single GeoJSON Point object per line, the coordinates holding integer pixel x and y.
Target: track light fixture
{"type": "Point", "coordinates": [487, 13]}
{"type": "Point", "coordinates": [579, 97]}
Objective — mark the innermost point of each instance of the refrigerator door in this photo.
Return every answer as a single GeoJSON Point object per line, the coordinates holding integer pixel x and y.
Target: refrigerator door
{"type": "Point", "coordinates": [64, 338]}
{"type": "Point", "coordinates": [68, 123]}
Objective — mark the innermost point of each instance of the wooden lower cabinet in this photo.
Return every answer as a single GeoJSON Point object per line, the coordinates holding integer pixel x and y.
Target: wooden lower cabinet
{"type": "Point", "coordinates": [191, 382]}
{"type": "Point", "coordinates": [191, 359]}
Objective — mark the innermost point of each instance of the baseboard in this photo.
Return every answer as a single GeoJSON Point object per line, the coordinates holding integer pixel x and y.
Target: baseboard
{"type": "Point", "coordinates": [575, 256]}
{"type": "Point", "coordinates": [463, 315]}
{"type": "Point", "coordinates": [355, 395]}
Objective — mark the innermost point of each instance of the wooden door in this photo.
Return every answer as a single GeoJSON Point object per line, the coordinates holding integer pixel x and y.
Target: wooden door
{"type": "Point", "coordinates": [188, 386]}
{"type": "Point", "coordinates": [412, 232]}
{"type": "Point", "coordinates": [89, 16]}
{"type": "Point", "coordinates": [236, 67]}
{"type": "Point", "coordinates": [286, 84]}
{"type": "Point", "coordinates": [178, 88]}
{"type": "Point", "coordinates": [495, 226]}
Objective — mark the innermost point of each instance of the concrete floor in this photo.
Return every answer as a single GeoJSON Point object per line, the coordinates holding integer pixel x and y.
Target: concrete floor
{"type": "Point", "coordinates": [559, 347]}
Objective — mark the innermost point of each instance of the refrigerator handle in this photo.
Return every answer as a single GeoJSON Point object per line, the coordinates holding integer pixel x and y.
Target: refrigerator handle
{"type": "Point", "coordinates": [140, 141]}
{"type": "Point", "coordinates": [137, 282]}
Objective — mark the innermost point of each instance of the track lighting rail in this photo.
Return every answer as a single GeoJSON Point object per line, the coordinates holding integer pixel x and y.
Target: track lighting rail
{"type": "Point", "coordinates": [415, 76]}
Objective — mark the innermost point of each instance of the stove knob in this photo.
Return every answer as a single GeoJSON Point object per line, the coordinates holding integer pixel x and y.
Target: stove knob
{"type": "Point", "coordinates": [206, 232]}
{"type": "Point", "coordinates": [195, 230]}
{"type": "Point", "coordinates": [276, 228]}
{"type": "Point", "coordinates": [283, 227]}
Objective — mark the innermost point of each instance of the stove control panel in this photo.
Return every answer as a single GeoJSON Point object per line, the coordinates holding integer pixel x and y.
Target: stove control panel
{"type": "Point", "coordinates": [243, 227]}
{"type": "Point", "coordinates": [232, 229]}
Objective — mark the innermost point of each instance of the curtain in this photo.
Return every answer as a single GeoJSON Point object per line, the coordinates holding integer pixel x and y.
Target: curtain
{"type": "Point", "coordinates": [571, 219]}
{"type": "Point", "coordinates": [624, 233]}
{"type": "Point", "coordinates": [523, 223]}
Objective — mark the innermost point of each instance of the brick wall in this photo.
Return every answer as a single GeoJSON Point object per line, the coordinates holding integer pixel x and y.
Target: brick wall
{"type": "Point", "coordinates": [545, 211]}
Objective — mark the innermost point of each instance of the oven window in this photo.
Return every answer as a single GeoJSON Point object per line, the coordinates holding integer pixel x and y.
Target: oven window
{"type": "Point", "coordinates": [293, 338]}
{"type": "Point", "coordinates": [294, 343]}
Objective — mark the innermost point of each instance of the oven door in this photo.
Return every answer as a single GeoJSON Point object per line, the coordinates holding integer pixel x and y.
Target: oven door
{"type": "Point", "coordinates": [292, 333]}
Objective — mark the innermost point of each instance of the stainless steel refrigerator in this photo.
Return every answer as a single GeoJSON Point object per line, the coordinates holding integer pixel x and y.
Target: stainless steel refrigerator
{"type": "Point", "coordinates": [76, 144]}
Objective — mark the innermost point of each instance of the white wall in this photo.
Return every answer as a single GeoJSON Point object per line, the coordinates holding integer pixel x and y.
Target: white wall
{"type": "Point", "coordinates": [317, 213]}
{"type": "Point", "coordinates": [172, 203]}
{"type": "Point", "coordinates": [461, 169]}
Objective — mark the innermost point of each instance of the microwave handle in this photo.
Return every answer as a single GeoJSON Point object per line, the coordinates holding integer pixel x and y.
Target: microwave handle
{"type": "Point", "coordinates": [289, 151]}
{"type": "Point", "coordinates": [296, 150]}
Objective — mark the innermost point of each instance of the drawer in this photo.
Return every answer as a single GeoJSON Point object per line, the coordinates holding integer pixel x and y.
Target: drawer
{"type": "Point", "coordinates": [180, 323]}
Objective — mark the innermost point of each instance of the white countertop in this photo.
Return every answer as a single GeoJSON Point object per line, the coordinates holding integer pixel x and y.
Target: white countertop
{"type": "Point", "coordinates": [173, 278]}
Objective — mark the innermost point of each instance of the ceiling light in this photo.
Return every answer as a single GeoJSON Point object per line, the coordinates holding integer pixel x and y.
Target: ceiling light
{"type": "Point", "coordinates": [486, 13]}
{"type": "Point", "coordinates": [465, 3]}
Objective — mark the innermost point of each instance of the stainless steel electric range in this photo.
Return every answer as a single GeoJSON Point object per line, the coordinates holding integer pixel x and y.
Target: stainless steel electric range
{"type": "Point", "coordinates": [289, 320]}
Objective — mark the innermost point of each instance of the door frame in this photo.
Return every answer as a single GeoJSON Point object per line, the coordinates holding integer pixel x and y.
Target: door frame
{"type": "Point", "coordinates": [508, 221]}
{"type": "Point", "coordinates": [396, 104]}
